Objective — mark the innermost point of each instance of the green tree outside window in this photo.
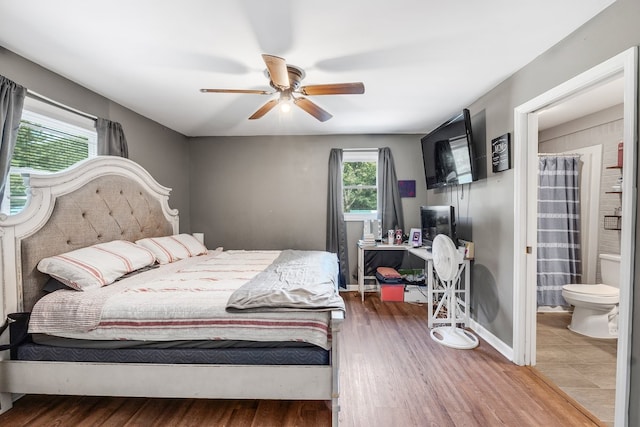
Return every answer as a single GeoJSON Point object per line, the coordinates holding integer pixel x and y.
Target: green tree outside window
{"type": "Point", "coordinates": [360, 191]}
{"type": "Point", "coordinates": [42, 149]}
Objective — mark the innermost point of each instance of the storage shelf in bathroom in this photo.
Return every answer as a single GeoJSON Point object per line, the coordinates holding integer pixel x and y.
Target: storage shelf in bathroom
{"type": "Point", "coordinates": [614, 191]}
{"type": "Point", "coordinates": [613, 222]}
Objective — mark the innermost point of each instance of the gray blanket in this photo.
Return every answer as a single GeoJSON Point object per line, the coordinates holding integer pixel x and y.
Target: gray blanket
{"type": "Point", "coordinates": [296, 280]}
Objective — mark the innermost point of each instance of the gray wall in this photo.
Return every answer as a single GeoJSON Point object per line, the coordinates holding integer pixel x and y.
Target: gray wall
{"type": "Point", "coordinates": [163, 152]}
{"type": "Point", "coordinates": [271, 192]}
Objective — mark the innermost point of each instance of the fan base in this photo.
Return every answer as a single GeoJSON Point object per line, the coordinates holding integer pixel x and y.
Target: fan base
{"type": "Point", "coordinates": [454, 337]}
{"type": "Point", "coordinates": [296, 74]}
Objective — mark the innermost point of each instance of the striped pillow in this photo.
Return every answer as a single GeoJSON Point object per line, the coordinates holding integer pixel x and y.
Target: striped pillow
{"type": "Point", "coordinates": [97, 265]}
{"type": "Point", "coordinates": [173, 248]}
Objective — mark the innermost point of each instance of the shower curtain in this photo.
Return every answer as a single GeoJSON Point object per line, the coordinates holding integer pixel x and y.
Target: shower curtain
{"type": "Point", "coordinates": [558, 227]}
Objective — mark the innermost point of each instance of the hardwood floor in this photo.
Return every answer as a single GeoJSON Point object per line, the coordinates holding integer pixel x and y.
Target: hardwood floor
{"type": "Point", "coordinates": [392, 374]}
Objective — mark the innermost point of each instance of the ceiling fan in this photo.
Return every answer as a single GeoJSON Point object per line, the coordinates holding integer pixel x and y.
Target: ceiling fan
{"type": "Point", "coordinates": [285, 79]}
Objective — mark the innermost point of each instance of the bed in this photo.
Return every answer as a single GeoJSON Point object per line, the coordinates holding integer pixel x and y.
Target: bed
{"type": "Point", "coordinates": [231, 329]}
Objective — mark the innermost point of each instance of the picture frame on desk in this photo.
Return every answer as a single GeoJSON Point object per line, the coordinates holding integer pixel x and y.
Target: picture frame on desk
{"type": "Point", "coordinates": [415, 237]}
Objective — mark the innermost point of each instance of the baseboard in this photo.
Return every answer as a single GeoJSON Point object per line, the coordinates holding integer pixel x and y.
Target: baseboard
{"type": "Point", "coordinates": [554, 309]}
{"type": "Point", "coordinates": [492, 340]}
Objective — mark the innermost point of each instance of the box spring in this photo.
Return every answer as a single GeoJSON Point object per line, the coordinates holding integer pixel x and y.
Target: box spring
{"type": "Point", "coordinates": [305, 355]}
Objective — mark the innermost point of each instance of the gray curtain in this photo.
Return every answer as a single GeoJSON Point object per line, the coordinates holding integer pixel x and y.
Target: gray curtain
{"type": "Point", "coordinates": [336, 227]}
{"type": "Point", "coordinates": [111, 139]}
{"type": "Point", "coordinates": [11, 103]}
{"type": "Point", "coordinates": [390, 203]}
{"type": "Point", "coordinates": [558, 227]}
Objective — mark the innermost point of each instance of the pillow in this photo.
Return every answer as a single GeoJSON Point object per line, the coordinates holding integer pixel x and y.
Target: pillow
{"type": "Point", "coordinates": [173, 248]}
{"type": "Point", "coordinates": [54, 284]}
{"type": "Point", "coordinates": [97, 265]}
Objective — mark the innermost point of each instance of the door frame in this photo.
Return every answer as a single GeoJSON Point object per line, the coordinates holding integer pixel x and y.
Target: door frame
{"type": "Point", "coordinates": [624, 64]}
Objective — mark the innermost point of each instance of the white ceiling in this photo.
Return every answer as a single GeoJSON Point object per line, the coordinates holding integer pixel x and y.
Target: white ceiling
{"type": "Point", "coordinates": [420, 61]}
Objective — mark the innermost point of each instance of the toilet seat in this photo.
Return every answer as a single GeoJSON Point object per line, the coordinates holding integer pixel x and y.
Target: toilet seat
{"type": "Point", "coordinates": [603, 294]}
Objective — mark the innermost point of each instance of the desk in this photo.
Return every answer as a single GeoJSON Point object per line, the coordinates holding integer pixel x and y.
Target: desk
{"type": "Point", "coordinates": [362, 248]}
{"type": "Point", "coordinates": [435, 290]}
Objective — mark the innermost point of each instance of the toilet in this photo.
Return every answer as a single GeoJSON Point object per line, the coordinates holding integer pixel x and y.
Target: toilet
{"type": "Point", "coordinates": [595, 312]}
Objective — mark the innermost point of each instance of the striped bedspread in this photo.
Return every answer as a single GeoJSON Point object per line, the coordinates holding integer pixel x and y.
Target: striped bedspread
{"type": "Point", "coordinates": [185, 300]}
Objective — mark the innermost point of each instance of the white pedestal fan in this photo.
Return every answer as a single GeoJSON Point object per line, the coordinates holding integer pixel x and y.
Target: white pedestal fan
{"type": "Point", "coordinates": [447, 262]}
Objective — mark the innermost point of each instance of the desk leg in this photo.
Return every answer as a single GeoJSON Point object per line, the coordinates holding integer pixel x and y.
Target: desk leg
{"type": "Point", "coordinates": [467, 283]}
{"type": "Point", "coordinates": [429, 268]}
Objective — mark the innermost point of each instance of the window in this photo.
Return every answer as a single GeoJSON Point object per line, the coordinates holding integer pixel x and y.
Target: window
{"type": "Point", "coordinates": [50, 139]}
{"type": "Point", "coordinates": [360, 184]}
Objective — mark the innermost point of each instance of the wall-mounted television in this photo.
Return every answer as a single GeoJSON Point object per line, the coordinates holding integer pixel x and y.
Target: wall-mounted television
{"type": "Point", "coordinates": [437, 220]}
{"type": "Point", "coordinates": [448, 153]}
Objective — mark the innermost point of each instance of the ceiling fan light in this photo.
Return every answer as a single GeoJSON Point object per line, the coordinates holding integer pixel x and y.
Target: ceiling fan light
{"type": "Point", "coordinates": [285, 106]}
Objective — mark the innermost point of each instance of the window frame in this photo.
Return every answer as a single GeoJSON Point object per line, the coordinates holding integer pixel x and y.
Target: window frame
{"type": "Point", "coordinates": [363, 155]}
{"type": "Point", "coordinates": [54, 117]}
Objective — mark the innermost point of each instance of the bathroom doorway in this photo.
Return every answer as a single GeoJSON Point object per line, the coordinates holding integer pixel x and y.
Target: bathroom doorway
{"type": "Point", "coordinates": [583, 367]}
{"type": "Point", "coordinates": [526, 119]}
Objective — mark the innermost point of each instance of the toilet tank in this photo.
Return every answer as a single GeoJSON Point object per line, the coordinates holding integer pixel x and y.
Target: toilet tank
{"type": "Point", "coordinates": [610, 269]}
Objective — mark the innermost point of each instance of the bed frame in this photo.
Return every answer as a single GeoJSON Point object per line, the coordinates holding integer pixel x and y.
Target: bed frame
{"type": "Point", "coordinates": [99, 200]}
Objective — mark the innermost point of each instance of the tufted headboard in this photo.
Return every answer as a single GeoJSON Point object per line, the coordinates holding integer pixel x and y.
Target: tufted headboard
{"type": "Point", "coordinates": [102, 199]}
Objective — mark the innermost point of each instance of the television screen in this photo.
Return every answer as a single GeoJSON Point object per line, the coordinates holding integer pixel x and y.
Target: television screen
{"type": "Point", "coordinates": [447, 153]}
{"type": "Point", "coordinates": [437, 220]}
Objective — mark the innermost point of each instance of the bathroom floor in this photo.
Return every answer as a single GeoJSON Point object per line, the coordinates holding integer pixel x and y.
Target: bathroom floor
{"type": "Point", "coordinates": [583, 367]}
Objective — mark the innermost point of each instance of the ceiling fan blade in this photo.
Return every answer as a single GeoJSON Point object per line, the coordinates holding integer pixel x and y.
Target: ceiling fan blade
{"type": "Point", "coordinates": [277, 70]}
{"type": "Point", "coordinates": [257, 92]}
{"type": "Point", "coordinates": [333, 89]}
{"type": "Point", "coordinates": [264, 109]}
{"type": "Point", "coordinates": [312, 109]}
